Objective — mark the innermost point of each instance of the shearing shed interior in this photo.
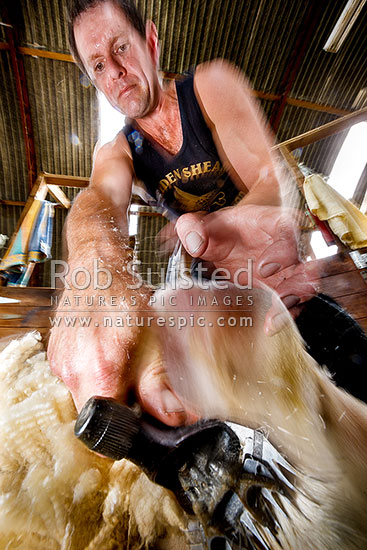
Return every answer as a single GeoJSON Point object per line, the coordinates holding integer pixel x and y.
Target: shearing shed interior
{"type": "Point", "coordinates": [50, 113]}
{"type": "Point", "coordinates": [306, 65]}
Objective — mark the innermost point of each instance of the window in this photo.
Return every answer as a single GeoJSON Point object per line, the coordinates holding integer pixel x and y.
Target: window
{"type": "Point", "coordinates": [350, 162]}
{"type": "Point", "coordinates": [110, 120]}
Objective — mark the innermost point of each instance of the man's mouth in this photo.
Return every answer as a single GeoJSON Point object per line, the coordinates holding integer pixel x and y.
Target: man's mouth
{"type": "Point", "coordinates": [126, 89]}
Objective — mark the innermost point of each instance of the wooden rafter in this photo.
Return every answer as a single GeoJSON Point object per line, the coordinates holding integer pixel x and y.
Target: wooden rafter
{"type": "Point", "coordinates": [46, 183]}
{"type": "Point", "coordinates": [308, 26]}
{"type": "Point", "coordinates": [12, 203]}
{"type": "Point", "coordinates": [24, 106]}
{"type": "Point", "coordinates": [65, 181]}
{"type": "Point", "coordinates": [324, 131]}
{"type": "Point", "coordinates": [44, 53]}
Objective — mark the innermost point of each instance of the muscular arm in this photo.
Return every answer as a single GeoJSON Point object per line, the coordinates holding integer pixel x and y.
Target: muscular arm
{"type": "Point", "coordinates": [239, 131]}
{"type": "Point", "coordinates": [258, 228]}
{"type": "Point", "coordinates": [96, 231]}
{"type": "Point", "coordinates": [95, 359]}
{"type": "Point", "coordinates": [101, 209]}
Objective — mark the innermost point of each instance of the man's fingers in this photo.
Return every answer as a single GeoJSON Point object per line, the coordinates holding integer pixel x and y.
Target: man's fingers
{"type": "Point", "coordinates": [192, 233]}
{"type": "Point", "coordinates": [158, 399]}
{"type": "Point", "coordinates": [279, 255]}
{"type": "Point", "coordinates": [166, 239]}
{"type": "Point", "coordinates": [297, 285]}
{"type": "Point", "coordinates": [293, 292]}
{"type": "Point", "coordinates": [152, 385]}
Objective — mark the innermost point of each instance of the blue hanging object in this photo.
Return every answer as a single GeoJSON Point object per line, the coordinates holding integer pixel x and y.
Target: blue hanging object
{"type": "Point", "coordinates": [32, 243]}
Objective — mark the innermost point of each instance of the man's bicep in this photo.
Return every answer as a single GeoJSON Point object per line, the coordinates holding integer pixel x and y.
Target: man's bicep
{"type": "Point", "coordinates": [237, 124]}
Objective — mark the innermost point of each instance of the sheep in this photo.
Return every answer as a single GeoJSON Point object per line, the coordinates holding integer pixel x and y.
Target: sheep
{"type": "Point", "coordinates": [229, 368]}
{"type": "Point", "coordinates": [56, 494]}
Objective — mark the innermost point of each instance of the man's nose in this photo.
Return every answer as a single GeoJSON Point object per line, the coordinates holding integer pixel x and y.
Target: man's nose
{"type": "Point", "coordinates": [116, 69]}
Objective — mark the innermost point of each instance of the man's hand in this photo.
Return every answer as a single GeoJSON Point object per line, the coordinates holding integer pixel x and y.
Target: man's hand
{"type": "Point", "coordinates": [90, 359]}
{"type": "Point", "coordinates": [265, 234]}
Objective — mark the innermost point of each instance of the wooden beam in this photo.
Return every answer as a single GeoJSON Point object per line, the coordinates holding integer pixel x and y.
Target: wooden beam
{"type": "Point", "coordinates": [292, 163]}
{"type": "Point", "coordinates": [21, 203]}
{"type": "Point", "coordinates": [305, 221]}
{"type": "Point", "coordinates": [324, 131]}
{"type": "Point", "coordinates": [35, 52]}
{"type": "Point", "coordinates": [265, 95]}
{"type": "Point", "coordinates": [41, 190]}
{"type": "Point", "coordinates": [50, 183]}
{"type": "Point", "coordinates": [24, 106]}
{"type": "Point", "coordinates": [323, 108]}
{"type": "Point", "coordinates": [12, 203]}
{"type": "Point", "coordinates": [317, 107]}
{"type": "Point", "coordinates": [31, 297]}
{"type": "Point", "coordinates": [306, 32]}
{"type": "Point", "coordinates": [65, 181]}
{"type": "Point", "coordinates": [59, 195]}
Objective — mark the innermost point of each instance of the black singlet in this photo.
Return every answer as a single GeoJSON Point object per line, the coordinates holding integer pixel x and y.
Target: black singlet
{"type": "Point", "coordinates": [193, 179]}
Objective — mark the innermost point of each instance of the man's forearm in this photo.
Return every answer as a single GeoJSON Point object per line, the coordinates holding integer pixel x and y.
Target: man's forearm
{"type": "Point", "coordinates": [96, 235]}
{"type": "Point", "coordinates": [264, 192]}
{"type": "Point", "coordinates": [95, 228]}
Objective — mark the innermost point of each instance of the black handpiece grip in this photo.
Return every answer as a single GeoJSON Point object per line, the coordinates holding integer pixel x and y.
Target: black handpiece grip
{"type": "Point", "coordinates": [116, 431]}
{"type": "Point", "coordinates": [107, 427]}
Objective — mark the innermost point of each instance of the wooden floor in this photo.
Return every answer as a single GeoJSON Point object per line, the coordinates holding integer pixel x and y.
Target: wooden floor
{"type": "Point", "coordinates": [339, 278]}
{"type": "Point", "coordinates": [21, 314]}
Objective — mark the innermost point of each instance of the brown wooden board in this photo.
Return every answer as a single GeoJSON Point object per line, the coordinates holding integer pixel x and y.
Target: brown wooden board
{"type": "Point", "coordinates": [339, 278]}
{"type": "Point", "coordinates": [339, 263]}
{"type": "Point", "coordinates": [343, 284]}
{"type": "Point", "coordinates": [355, 304]}
{"type": "Point", "coordinates": [30, 296]}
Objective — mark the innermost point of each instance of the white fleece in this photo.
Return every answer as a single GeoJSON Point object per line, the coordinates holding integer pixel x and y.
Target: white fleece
{"type": "Point", "coordinates": [54, 492]}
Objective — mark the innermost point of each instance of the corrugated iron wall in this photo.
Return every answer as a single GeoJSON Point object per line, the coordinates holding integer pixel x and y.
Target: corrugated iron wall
{"type": "Point", "coordinates": [12, 152]}
{"type": "Point", "coordinates": [64, 143]}
{"type": "Point", "coordinates": [153, 261]}
{"type": "Point", "coordinates": [64, 113]}
{"type": "Point", "coordinates": [262, 37]}
{"type": "Point", "coordinates": [44, 24]}
{"type": "Point", "coordinates": [334, 79]}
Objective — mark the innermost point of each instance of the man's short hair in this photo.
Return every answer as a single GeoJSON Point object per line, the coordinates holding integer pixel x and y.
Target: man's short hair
{"type": "Point", "coordinates": [77, 7]}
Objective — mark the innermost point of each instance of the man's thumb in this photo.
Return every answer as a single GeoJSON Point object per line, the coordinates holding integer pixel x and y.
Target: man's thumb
{"type": "Point", "coordinates": [191, 232]}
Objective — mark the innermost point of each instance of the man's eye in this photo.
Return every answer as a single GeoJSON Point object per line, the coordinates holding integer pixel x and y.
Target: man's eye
{"type": "Point", "coordinates": [121, 49]}
{"type": "Point", "coordinates": [99, 67]}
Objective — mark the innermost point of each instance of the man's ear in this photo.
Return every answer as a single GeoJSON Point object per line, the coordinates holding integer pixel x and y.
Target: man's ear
{"type": "Point", "coordinates": [151, 36]}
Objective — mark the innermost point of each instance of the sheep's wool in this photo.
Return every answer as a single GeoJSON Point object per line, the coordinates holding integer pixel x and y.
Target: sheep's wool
{"type": "Point", "coordinates": [55, 493]}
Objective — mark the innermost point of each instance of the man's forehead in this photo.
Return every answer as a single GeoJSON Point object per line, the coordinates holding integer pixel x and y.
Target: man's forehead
{"type": "Point", "coordinates": [106, 9]}
{"type": "Point", "coordinates": [107, 13]}
{"type": "Point", "coordinates": [98, 26]}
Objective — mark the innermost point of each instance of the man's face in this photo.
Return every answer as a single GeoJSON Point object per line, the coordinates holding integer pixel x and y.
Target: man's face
{"type": "Point", "coordinates": [119, 62]}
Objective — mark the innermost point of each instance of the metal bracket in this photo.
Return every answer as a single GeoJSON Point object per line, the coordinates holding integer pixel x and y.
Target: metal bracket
{"type": "Point", "coordinates": [360, 260]}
